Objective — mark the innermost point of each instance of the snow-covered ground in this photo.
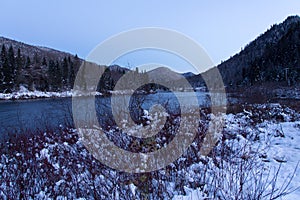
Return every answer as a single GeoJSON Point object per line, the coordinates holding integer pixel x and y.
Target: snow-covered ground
{"type": "Point", "coordinates": [275, 147]}
{"type": "Point", "coordinates": [280, 152]}
{"type": "Point", "coordinates": [256, 158]}
{"type": "Point", "coordinates": [24, 93]}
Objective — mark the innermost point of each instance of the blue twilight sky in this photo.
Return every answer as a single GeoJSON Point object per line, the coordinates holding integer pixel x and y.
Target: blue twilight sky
{"type": "Point", "coordinates": [222, 28]}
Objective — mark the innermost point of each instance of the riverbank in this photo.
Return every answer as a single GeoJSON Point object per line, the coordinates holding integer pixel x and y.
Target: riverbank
{"type": "Point", "coordinates": [24, 94]}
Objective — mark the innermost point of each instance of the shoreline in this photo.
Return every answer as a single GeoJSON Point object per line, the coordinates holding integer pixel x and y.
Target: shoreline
{"type": "Point", "coordinates": [25, 94]}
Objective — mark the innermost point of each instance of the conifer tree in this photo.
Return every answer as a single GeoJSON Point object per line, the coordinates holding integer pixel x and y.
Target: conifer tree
{"type": "Point", "coordinates": [3, 65]}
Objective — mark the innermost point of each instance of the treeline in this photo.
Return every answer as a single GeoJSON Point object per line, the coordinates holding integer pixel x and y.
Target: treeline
{"type": "Point", "coordinates": [280, 62]}
{"type": "Point", "coordinates": [131, 79]}
{"type": "Point", "coordinates": [117, 78]}
{"type": "Point", "coordinates": [273, 57]}
{"type": "Point", "coordinates": [35, 73]}
{"type": "Point", "coordinates": [57, 73]}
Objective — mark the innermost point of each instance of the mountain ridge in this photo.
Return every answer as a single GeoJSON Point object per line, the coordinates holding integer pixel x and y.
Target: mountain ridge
{"type": "Point", "coordinates": [253, 64]}
{"type": "Point", "coordinates": [274, 56]}
{"type": "Point", "coordinates": [254, 50]}
{"type": "Point", "coordinates": [33, 49]}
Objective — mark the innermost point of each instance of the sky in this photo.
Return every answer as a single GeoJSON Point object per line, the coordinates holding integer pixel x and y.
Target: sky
{"type": "Point", "coordinates": [222, 28]}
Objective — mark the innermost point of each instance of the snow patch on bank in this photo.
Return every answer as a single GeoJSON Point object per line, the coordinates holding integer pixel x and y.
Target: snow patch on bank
{"type": "Point", "coordinates": [24, 93]}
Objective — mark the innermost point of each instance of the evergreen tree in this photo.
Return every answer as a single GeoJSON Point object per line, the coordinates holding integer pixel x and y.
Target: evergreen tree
{"type": "Point", "coordinates": [3, 65]}
{"type": "Point", "coordinates": [44, 62]}
{"type": "Point", "coordinates": [106, 82]}
{"type": "Point", "coordinates": [8, 69]}
{"type": "Point", "coordinates": [81, 79]}
{"type": "Point", "coordinates": [12, 70]}
{"type": "Point", "coordinates": [19, 65]}
{"type": "Point", "coordinates": [19, 60]}
{"type": "Point", "coordinates": [71, 75]}
{"type": "Point", "coordinates": [36, 59]}
{"type": "Point", "coordinates": [65, 73]}
{"type": "Point", "coordinates": [28, 62]}
{"type": "Point", "coordinates": [54, 75]}
{"type": "Point", "coordinates": [58, 77]}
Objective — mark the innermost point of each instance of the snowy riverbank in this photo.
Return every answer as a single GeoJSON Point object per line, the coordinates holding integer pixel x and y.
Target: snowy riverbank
{"type": "Point", "coordinates": [24, 93]}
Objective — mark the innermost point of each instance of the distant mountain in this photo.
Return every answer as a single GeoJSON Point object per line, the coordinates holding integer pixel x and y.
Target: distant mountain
{"type": "Point", "coordinates": [164, 74]}
{"type": "Point", "coordinates": [188, 74]}
{"type": "Point", "coordinates": [273, 57]}
{"type": "Point", "coordinates": [34, 51]}
{"type": "Point", "coordinates": [118, 68]}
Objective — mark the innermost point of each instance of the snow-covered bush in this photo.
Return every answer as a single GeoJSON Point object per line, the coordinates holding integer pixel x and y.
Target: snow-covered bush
{"type": "Point", "coordinates": [242, 165]}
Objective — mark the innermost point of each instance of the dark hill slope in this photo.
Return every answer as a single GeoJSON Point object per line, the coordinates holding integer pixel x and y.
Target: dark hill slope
{"type": "Point", "coordinates": [266, 58]}
{"type": "Point", "coordinates": [274, 57]}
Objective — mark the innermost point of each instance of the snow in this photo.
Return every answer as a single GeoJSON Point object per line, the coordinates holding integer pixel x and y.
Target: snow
{"type": "Point", "coordinates": [132, 188]}
{"type": "Point", "coordinates": [273, 144]}
{"type": "Point", "coordinates": [58, 183]}
{"type": "Point", "coordinates": [56, 166]}
{"type": "Point", "coordinates": [45, 153]}
{"type": "Point", "coordinates": [286, 151]}
{"type": "Point", "coordinates": [24, 93]}
{"type": "Point", "coordinates": [280, 151]}
{"type": "Point", "coordinates": [191, 194]}
{"type": "Point", "coordinates": [41, 195]}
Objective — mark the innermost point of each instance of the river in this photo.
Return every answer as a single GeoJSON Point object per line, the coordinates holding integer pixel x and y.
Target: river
{"type": "Point", "coordinates": [21, 116]}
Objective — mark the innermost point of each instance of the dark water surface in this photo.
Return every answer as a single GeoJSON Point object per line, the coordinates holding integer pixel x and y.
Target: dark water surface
{"type": "Point", "coordinates": [45, 114]}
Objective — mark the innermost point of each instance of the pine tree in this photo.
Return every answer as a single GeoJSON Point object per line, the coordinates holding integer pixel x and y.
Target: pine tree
{"type": "Point", "coordinates": [71, 75]}
{"type": "Point", "coordinates": [58, 76]}
{"type": "Point", "coordinates": [28, 62]}
{"type": "Point", "coordinates": [11, 70]}
{"type": "Point", "coordinates": [81, 79]}
{"type": "Point", "coordinates": [36, 59]}
{"type": "Point", "coordinates": [106, 82]}
{"type": "Point", "coordinates": [51, 75]}
{"type": "Point", "coordinates": [65, 73]}
{"type": "Point", "coordinates": [19, 65]}
{"type": "Point", "coordinates": [8, 69]}
{"type": "Point", "coordinates": [3, 66]}
{"type": "Point", "coordinates": [44, 62]}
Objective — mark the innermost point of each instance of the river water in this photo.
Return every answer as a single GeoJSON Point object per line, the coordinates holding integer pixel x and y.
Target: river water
{"type": "Point", "coordinates": [47, 114]}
